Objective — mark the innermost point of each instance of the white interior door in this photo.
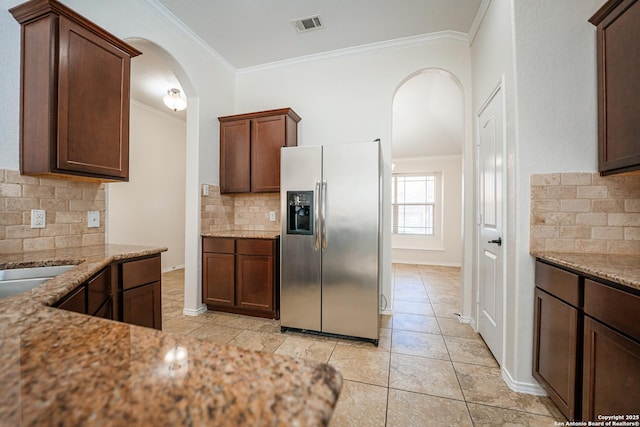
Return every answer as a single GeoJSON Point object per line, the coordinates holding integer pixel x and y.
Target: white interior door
{"type": "Point", "coordinates": [490, 245]}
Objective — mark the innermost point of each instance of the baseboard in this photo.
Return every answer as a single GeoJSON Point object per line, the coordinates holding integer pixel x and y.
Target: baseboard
{"type": "Point", "coordinates": [522, 387]}
{"type": "Point", "coordinates": [469, 321]}
{"type": "Point", "coordinates": [175, 267]}
{"type": "Point", "coordinates": [197, 312]}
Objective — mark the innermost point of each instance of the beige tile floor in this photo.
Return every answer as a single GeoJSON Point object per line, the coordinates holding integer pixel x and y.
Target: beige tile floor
{"type": "Point", "coordinates": [428, 370]}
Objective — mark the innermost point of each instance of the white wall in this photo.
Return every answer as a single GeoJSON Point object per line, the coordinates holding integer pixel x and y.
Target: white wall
{"type": "Point", "coordinates": [446, 247]}
{"type": "Point", "coordinates": [546, 53]}
{"type": "Point", "coordinates": [349, 98]}
{"type": "Point", "coordinates": [207, 80]}
{"type": "Point", "coordinates": [150, 208]}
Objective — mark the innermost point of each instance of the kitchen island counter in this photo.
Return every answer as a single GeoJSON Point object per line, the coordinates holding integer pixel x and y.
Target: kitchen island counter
{"type": "Point", "coordinates": [64, 368]}
{"type": "Point", "coordinates": [621, 269]}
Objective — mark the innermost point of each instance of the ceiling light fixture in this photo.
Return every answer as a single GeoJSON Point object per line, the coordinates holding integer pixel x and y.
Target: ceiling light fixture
{"type": "Point", "coordinates": [174, 101]}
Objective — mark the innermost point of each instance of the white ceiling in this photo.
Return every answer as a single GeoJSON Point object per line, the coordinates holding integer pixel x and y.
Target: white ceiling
{"type": "Point", "coordinates": [251, 33]}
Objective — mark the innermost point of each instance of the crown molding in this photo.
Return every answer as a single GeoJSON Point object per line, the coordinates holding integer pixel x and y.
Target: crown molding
{"type": "Point", "coordinates": [477, 20]}
{"type": "Point", "coordinates": [424, 39]}
{"type": "Point", "coordinates": [173, 21]}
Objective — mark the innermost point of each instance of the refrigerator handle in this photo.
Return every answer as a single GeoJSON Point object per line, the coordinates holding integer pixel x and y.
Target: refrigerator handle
{"type": "Point", "coordinates": [316, 217]}
{"type": "Point", "coordinates": [324, 214]}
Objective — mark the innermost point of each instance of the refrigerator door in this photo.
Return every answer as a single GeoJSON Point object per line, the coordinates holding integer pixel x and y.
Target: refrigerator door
{"type": "Point", "coordinates": [300, 257]}
{"type": "Point", "coordinates": [350, 293]}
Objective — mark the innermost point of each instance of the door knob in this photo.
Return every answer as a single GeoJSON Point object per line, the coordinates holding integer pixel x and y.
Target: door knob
{"type": "Point", "coordinates": [497, 241]}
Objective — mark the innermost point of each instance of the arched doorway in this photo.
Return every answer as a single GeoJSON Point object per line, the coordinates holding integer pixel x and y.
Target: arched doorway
{"type": "Point", "coordinates": [428, 137]}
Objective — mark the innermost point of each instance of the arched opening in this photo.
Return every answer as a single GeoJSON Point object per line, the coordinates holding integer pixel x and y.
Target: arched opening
{"type": "Point", "coordinates": [150, 209]}
{"type": "Point", "coordinates": [428, 136]}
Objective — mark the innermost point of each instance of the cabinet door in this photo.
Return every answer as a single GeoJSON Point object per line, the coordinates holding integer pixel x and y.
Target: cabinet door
{"type": "Point", "coordinates": [555, 350]}
{"type": "Point", "coordinates": [611, 372]}
{"type": "Point", "coordinates": [618, 86]}
{"type": "Point", "coordinates": [255, 282]}
{"type": "Point", "coordinates": [98, 291]}
{"type": "Point", "coordinates": [235, 156]}
{"type": "Point", "coordinates": [218, 279]}
{"type": "Point", "coordinates": [93, 104]}
{"type": "Point", "coordinates": [106, 311]}
{"type": "Point", "coordinates": [75, 301]}
{"type": "Point", "coordinates": [141, 306]}
{"type": "Point", "coordinates": [267, 137]}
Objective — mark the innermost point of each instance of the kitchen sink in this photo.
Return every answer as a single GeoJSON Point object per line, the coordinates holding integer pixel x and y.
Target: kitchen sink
{"type": "Point", "coordinates": [18, 280]}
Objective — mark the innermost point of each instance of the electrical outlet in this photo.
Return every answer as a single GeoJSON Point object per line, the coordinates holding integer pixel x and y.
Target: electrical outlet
{"type": "Point", "coordinates": [93, 219]}
{"type": "Point", "coordinates": [272, 216]}
{"type": "Point", "coordinates": [205, 190]}
{"type": "Point", "coordinates": [38, 218]}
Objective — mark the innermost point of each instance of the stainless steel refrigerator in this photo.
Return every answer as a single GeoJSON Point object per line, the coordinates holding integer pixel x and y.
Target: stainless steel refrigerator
{"type": "Point", "coordinates": [330, 216]}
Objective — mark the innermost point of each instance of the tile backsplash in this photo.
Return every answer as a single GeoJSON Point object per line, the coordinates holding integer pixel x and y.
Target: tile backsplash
{"type": "Point", "coordinates": [585, 213]}
{"type": "Point", "coordinates": [249, 212]}
{"type": "Point", "coordinates": [66, 203]}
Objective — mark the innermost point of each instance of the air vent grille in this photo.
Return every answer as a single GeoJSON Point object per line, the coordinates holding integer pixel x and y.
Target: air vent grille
{"type": "Point", "coordinates": [308, 24]}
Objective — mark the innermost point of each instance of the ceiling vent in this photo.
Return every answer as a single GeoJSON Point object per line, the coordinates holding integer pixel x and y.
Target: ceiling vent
{"type": "Point", "coordinates": [308, 24]}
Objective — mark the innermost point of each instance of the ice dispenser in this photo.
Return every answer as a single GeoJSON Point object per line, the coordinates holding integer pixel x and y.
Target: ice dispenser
{"type": "Point", "coordinates": [299, 212]}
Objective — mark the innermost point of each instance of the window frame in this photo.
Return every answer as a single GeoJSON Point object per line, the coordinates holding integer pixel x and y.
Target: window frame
{"type": "Point", "coordinates": [437, 204]}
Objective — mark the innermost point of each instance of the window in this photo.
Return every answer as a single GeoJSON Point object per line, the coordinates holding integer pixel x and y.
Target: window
{"type": "Point", "coordinates": [413, 201]}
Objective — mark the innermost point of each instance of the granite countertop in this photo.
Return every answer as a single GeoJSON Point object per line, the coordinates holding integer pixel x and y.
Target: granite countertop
{"type": "Point", "coordinates": [64, 368]}
{"type": "Point", "coordinates": [622, 269]}
{"type": "Point", "coordinates": [243, 234]}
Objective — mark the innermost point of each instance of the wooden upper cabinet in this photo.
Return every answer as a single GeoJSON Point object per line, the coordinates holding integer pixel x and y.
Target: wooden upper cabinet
{"type": "Point", "coordinates": [250, 149]}
{"type": "Point", "coordinates": [618, 55]}
{"type": "Point", "coordinates": [235, 156]}
{"type": "Point", "coordinates": [74, 95]}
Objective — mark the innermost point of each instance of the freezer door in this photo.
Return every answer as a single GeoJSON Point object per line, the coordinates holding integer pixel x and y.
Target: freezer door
{"type": "Point", "coordinates": [350, 293]}
{"type": "Point", "coordinates": [300, 282]}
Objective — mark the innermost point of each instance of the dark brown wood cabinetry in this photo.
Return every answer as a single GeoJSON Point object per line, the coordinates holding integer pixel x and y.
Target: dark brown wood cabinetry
{"type": "Point", "coordinates": [92, 297]}
{"type": "Point", "coordinates": [241, 275]}
{"type": "Point", "coordinates": [586, 344]}
{"type": "Point", "coordinates": [555, 346]}
{"type": "Point", "coordinates": [139, 292]}
{"type": "Point", "coordinates": [618, 55]}
{"type": "Point", "coordinates": [75, 95]}
{"type": "Point", "coordinates": [611, 351]}
{"type": "Point", "coordinates": [128, 291]}
{"type": "Point", "coordinates": [250, 149]}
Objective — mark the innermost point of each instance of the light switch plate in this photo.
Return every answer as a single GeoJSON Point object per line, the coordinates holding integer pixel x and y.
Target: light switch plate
{"type": "Point", "coordinates": [93, 219]}
{"type": "Point", "coordinates": [38, 218]}
{"type": "Point", "coordinates": [205, 190]}
{"type": "Point", "coordinates": [272, 216]}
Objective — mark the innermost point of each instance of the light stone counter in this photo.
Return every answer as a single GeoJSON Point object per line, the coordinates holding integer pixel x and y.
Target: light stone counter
{"type": "Point", "coordinates": [243, 234]}
{"type": "Point", "coordinates": [622, 269]}
{"type": "Point", "coordinates": [64, 368]}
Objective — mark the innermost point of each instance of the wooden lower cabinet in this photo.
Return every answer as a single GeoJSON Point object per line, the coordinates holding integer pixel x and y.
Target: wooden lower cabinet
{"type": "Point", "coordinates": [253, 273]}
{"type": "Point", "coordinates": [128, 291]}
{"type": "Point", "coordinates": [141, 306]}
{"type": "Point", "coordinates": [241, 275]}
{"type": "Point", "coordinates": [75, 301]}
{"type": "Point", "coordinates": [611, 372]}
{"type": "Point", "coordinates": [92, 297]}
{"type": "Point", "coordinates": [556, 350]}
{"type": "Point", "coordinates": [218, 279]}
{"type": "Point", "coordinates": [139, 292]}
{"type": "Point", "coordinates": [586, 344]}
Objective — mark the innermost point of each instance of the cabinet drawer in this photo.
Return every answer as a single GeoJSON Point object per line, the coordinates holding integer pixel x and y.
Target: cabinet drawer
{"type": "Point", "coordinates": [254, 247]}
{"type": "Point", "coordinates": [98, 291]}
{"type": "Point", "coordinates": [559, 283]}
{"type": "Point", "coordinates": [136, 273]}
{"type": "Point", "coordinates": [218, 245]}
{"type": "Point", "coordinates": [614, 307]}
